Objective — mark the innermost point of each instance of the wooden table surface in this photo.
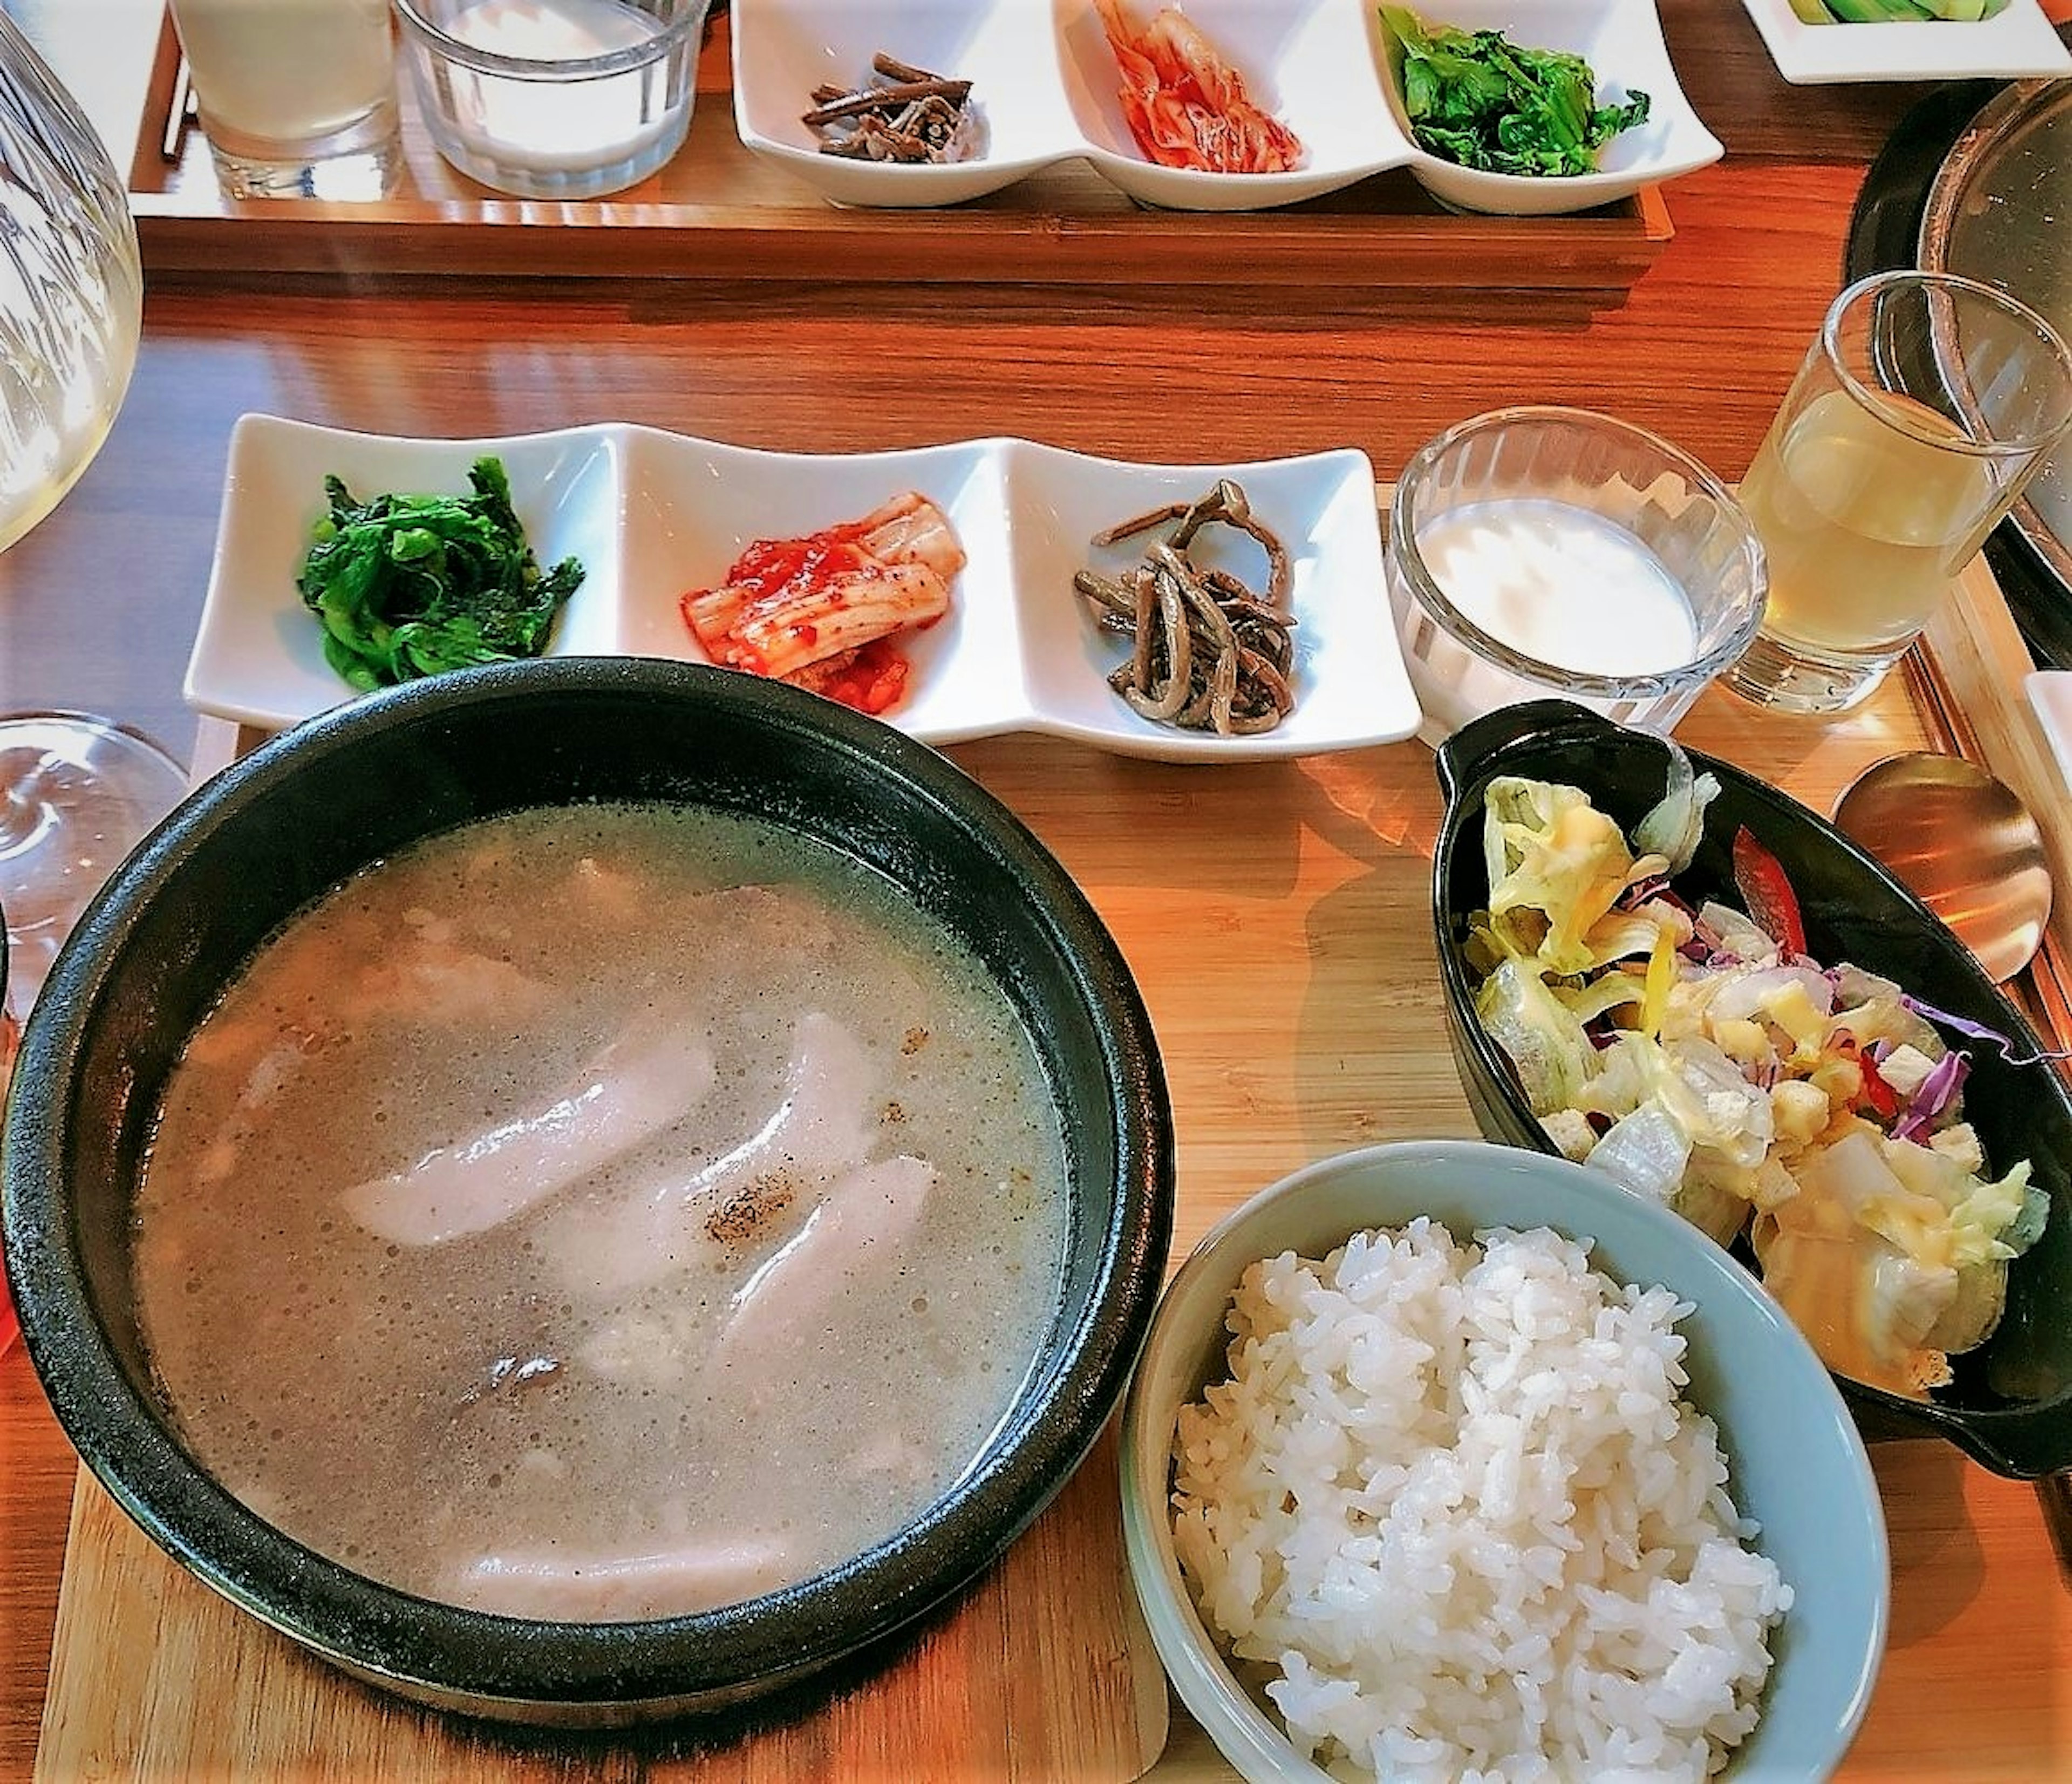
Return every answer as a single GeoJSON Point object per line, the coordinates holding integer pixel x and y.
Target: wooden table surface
{"type": "Point", "coordinates": [98, 608]}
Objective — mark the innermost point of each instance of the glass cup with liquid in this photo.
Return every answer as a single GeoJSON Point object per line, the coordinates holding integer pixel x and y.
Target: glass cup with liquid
{"type": "Point", "coordinates": [297, 97]}
{"type": "Point", "coordinates": [554, 99]}
{"type": "Point", "coordinates": [1921, 410]}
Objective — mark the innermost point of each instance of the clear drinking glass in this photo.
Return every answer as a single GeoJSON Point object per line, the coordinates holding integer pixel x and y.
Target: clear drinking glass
{"type": "Point", "coordinates": [1541, 553]}
{"type": "Point", "coordinates": [1924, 406]}
{"type": "Point", "coordinates": [554, 99]}
{"type": "Point", "coordinates": [297, 97]}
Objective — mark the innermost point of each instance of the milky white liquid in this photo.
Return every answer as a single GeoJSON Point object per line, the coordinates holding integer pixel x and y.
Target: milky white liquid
{"type": "Point", "coordinates": [1560, 584]}
{"type": "Point", "coordinates": [559, 126]}
{"type": "Point", "coordinates": [286, 71]}
{"type": "Point", "coordinates": [358, 1390]}
{"type": "Point", "coordinates": [1863, 524]}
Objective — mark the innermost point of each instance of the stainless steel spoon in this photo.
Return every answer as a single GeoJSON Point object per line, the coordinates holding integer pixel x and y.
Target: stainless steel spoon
{"type": "Point", "coordinates": [1961, 840]}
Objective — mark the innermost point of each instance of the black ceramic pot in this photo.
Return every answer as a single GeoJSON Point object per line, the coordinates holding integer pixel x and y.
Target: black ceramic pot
{"type": "Point", "coordinates": [2010, 1406]}
{"type": "Point", "coordinates": [262, 841]}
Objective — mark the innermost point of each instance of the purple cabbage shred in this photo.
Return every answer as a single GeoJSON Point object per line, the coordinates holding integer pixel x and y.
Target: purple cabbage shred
{"type": "Point", "coordinates": [1938, 1090]}
{"type": "Point", "coordinates": [1977, 1031]}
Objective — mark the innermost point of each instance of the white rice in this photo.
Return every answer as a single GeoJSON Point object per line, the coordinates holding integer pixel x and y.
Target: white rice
{"type": "Point", "coordinates": [1451, 1503]}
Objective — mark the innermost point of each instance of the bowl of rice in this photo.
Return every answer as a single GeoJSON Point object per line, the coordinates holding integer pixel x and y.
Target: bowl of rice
{"type": "Point", "coordinates": [1444, 1457]}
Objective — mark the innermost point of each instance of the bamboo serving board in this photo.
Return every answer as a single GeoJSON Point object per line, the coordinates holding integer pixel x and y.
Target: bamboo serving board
{"type": "Point", "coordinates": [716, 211]}
{"type": "Point", "coordinates": [1276, 916]}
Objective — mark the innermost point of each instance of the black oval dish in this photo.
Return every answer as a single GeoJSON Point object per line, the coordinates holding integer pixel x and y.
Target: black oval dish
{"type": "Point", "coordinates": [262, 839]}
{"type": "Point", "coordinates": [2011, 1404]}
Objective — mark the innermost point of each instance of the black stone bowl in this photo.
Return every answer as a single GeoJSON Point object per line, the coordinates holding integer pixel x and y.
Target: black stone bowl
{"type": "Point", "coordinates": [262, 841]}
{"type": "Point", "coordinates": [2010, 1406]}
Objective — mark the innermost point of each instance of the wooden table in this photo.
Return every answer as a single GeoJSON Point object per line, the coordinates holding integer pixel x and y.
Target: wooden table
{"type": "Point", "coordinates": [1319, 860]}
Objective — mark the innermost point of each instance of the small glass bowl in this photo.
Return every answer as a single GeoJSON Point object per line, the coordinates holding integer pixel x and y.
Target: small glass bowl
{"type": "Point", "coordinates": [1586, 637]}
{"type": "Point", "coordinates": [551, 104]}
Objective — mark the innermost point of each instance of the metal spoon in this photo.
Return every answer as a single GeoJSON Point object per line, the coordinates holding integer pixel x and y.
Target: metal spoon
{"type": "Point", "coordinates": [1962, 842]}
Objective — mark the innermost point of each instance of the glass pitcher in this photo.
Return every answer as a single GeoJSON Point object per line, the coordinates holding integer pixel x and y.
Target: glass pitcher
{"type": "Point", "coordinates": [71, 288]}
{"type": "Point", "coordinates": [71, 314]}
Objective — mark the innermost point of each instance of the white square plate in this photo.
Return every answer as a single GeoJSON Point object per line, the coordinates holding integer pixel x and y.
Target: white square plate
{"type": "Point", "coordinates": [2018, 44]}
{"type": "Point", "coordinates": [653, 515]}
{"type": "Point", "coordinates": [1621, 41]}
{"type": "Point", "coordinates": [695, 507]}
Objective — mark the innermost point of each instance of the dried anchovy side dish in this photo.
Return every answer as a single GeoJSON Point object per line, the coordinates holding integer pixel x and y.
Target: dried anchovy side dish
{"type": "Point", "coordinates": [901, 113]}
{"type": "Point", "coordinates": [1210, 653]}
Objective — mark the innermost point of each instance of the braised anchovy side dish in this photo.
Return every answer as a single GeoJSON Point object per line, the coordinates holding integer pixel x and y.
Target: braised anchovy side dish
{"type": "Point", "coordinates": [1209, 653]}
{"type": "Point", "coordinates": [901, 113]}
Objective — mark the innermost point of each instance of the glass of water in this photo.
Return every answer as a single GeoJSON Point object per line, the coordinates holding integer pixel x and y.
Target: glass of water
{"type": "Point", "coordinates": [554, 99]}
{"type": "Point", "coordinates": [1924, 406]}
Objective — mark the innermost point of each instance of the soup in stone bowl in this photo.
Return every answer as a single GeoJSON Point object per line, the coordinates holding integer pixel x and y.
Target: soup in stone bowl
{"type": "Point", "coordinates": [588, 1190]}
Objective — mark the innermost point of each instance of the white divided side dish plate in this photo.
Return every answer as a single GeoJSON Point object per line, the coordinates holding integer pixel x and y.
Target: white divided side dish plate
{"type": "Point", "coordinates": [2019, 44]}
{"type": "Point", "coordinates": [1046, 85]}
{"type": "Point", "coordinates": [651, 514]}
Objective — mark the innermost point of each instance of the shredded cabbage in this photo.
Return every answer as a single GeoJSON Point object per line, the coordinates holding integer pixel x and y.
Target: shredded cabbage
{"type": "Point", "coordinates": [1818, 1113]}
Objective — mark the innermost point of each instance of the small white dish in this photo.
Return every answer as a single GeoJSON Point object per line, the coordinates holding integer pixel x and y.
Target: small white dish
{"type": "Point", "coordinates": [783, 49]}
{"type": "Point", "coordinates": [1314, 64]}
{"type": "Point", "coordinates": [2021, 44]}
{"type": "Point", "coordinates": [1621, 41]}
{"type": "Point", "coordinates": [694, 506]}
{"type": "Point", "coordinates": [653, 515]}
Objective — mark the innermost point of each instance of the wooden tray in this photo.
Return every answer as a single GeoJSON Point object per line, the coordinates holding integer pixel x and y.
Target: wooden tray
{"type": "Point", "coordinates": [1277, 915]}
{"type": "Point", "coordinates": [717, 212]}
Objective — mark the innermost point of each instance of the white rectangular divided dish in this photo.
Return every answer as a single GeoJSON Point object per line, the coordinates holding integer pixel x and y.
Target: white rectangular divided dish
{"type": "Point", "coordinates": [1046, 84]}
{"type": "Point", "coordinates": [653, 515]}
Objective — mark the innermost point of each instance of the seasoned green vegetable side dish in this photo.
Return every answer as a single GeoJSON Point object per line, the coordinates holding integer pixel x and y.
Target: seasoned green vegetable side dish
{"type": "Point", "coordinates": [1698, 1053]}
{"type": "Point", "coordinates": [408, 585]}
{"type": "Point", "coordinates": [1479, 99]}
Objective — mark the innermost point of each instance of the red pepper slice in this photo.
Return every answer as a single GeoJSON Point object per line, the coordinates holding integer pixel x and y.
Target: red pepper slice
{"type": "Point", "coordinates": [1878, 1096]}
{"type": "Point", "coordinates": [1773, 906]}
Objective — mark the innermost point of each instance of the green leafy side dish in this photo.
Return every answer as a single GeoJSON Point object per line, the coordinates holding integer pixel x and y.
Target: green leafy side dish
{"type": "Point", "coordinates": [1478, 99]}
{"type": "Point", "coordinates": [408, 585]}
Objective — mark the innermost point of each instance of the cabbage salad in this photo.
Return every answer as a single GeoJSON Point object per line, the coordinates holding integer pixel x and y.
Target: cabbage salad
{"type": "Point", "coordinates": [1701, 1058]}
